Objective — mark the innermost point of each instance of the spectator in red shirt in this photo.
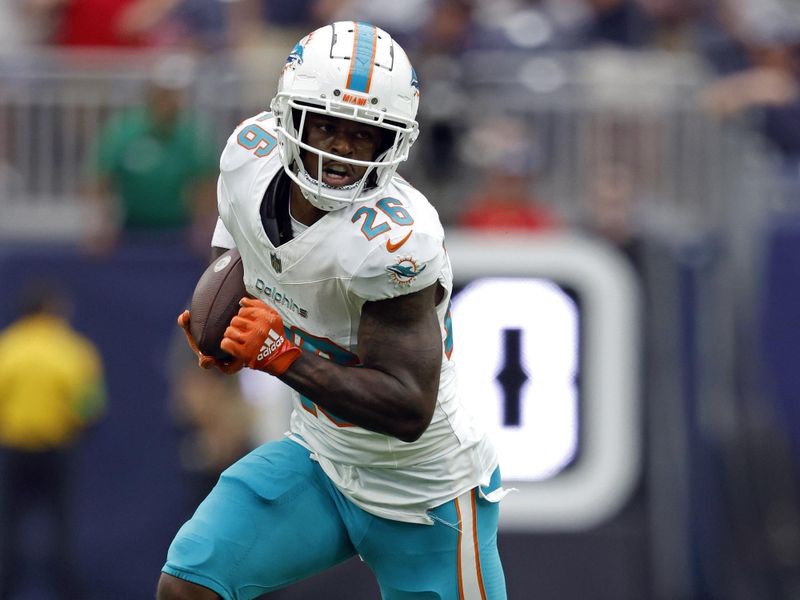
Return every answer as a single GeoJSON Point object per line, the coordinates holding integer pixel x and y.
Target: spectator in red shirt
{"type": "Point", "coordinates": [114, 23]}
{"type": "Point", "coordinates": [505, 200]}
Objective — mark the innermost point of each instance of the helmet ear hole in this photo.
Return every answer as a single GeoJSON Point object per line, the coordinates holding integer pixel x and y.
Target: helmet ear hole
{"type": "Point", "coordinates": [372, 180]}
{"type": "Point", "coordinates": [386, 141]}
{"type": "Point", "coordinates": [296, 117]}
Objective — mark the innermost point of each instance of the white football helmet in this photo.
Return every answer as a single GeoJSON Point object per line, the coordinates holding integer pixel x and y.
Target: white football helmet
{"type": "Point", "coordinates": [353, 71]}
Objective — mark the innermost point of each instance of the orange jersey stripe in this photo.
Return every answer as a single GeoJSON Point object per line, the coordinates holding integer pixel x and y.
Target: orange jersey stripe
{"type": "Point", "coordinates": [475, 540]}
{"type": "Point", "coordinates": [458, 554]}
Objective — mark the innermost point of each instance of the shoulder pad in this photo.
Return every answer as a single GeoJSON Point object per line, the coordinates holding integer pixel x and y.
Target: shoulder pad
{"type": "Point", "coordinates": [253, 139]}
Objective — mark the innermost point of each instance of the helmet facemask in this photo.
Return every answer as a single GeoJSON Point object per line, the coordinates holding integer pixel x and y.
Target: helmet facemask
{"type": "Point", "coordinates": [292, 115]}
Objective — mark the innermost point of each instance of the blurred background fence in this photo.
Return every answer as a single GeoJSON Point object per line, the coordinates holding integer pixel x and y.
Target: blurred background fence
{"type": "Point", "coordinates": [583, 119]}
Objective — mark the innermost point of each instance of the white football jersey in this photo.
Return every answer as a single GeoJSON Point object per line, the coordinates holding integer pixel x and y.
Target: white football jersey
{"type": "Point", "coordinates": [318, 283]}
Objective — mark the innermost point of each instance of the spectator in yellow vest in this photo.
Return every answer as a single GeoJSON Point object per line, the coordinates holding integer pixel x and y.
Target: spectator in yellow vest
{"type": "Point", "coordinates": [51, 389]}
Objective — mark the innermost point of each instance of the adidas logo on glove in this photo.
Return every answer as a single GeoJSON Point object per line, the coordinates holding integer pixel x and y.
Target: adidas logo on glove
{"type": "Point", "coordinates": [272, 343]}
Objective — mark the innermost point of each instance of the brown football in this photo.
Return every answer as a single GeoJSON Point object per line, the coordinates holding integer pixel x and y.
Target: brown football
{"type": "Point", "coordinates": [215, 302]}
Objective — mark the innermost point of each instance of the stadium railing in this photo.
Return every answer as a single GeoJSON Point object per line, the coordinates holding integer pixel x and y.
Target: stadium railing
{"type": "Point", "coordinates": [635, 116]}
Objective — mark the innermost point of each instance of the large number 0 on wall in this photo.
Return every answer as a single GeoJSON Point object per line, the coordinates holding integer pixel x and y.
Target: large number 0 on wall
{"type": "Point", "coordinates": [516, 349]}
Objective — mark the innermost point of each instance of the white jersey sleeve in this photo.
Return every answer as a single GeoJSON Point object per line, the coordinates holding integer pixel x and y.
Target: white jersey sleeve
{"type": "Point", "coordinates": [221, 237]}
{"type": "Point", "coordinates": [248, 162]}
{"type": "Point", "coordinates": [413, 267]}
{"type": "Point", "coordinates": [409, 257]}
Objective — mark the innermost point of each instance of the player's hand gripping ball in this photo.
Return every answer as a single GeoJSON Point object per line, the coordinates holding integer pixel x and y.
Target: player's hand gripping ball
{"type": "Point", "coordinates": [256, 337]}
{"type": "Point", "coordinates": [229, 366]}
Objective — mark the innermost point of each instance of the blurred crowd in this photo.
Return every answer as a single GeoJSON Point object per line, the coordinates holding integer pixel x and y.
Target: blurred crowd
{"type": "Point", "coordinates": [751, 44]}
{"type": "Point", "coordinates": [734, 35]}
{"type": "Point", "coordinates": [448, 26]}
{"type": "Point", "coordinates": [747, 49]}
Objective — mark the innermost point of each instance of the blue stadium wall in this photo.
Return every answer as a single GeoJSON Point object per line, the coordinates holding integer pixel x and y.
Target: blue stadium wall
{"type": "Point", "coordinates": [130, 492]}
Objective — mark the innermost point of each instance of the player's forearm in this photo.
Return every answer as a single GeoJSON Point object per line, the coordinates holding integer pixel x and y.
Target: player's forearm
{"type": "Point", "coordinates": [367, 397]}
{"type": "Point", "coordinates": [395, 388]}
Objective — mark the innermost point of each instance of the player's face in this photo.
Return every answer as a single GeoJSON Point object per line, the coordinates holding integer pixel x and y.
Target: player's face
{"type": "Point", "coordinates": [342, 137]}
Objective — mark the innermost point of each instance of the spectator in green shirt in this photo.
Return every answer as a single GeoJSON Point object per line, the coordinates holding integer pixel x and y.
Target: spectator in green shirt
{"type": "Point", "coordinates": [155, 165]}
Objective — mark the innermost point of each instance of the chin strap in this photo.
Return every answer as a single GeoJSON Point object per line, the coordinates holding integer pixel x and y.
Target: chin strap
{"type": "Point", "coordinates": [337, 197]}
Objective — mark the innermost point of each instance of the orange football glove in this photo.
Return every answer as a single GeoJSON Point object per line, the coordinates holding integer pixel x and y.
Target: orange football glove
{"type": "Point", "coordinates": [205, 361]}
{"type": "Point", "coordinates": [256, 337]}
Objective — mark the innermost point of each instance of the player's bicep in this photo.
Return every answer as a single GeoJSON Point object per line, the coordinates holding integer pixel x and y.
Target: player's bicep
{"type": "Point", "coordinates": [401, 337]}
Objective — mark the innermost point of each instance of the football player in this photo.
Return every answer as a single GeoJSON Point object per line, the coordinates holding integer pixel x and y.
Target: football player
{"type": "Point", "coordinates": [351, 283]}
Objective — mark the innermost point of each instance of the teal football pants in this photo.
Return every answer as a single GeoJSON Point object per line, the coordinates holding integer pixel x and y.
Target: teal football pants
{"type": "Point", "coordinates": [274, 518]}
